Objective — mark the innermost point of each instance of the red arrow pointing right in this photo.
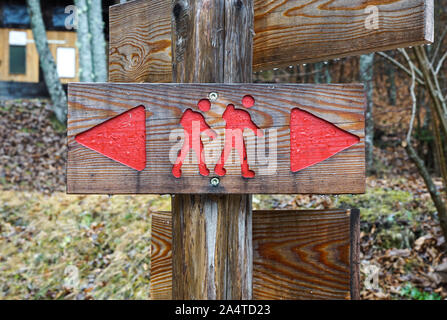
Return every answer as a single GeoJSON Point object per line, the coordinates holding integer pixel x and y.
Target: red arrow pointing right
{"type": "Point", "coordinates": [313, 140]}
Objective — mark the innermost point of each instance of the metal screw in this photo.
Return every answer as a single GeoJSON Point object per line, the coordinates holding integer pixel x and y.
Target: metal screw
{"type": "Point", "coordinates": [213, 96]}
{"type": "Point", "coordinates": [215, 182]}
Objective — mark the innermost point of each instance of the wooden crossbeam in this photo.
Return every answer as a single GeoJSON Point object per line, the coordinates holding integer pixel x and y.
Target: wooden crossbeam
{"type": "Point", "coordinates": [342, 105]}
{"type": "Point", "coordinates": [286, 33]}
{"type": "Point", "coordinates": [297, 255]}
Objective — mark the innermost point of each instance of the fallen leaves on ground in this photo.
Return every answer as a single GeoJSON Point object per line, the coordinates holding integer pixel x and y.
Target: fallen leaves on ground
{"type": "Point", "coordinates": [33, 147]}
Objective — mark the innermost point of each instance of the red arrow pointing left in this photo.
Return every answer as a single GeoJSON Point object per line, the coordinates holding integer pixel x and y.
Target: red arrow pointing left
{"type": "Point", "coordinates": [122, 138]}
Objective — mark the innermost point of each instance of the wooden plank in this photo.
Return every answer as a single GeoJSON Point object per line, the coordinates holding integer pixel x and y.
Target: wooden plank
{"type": "Point", "coordinates": [212, 235]}
{"type": "Point", "coordinates": [301, 31]}
{"type": "Point", "coordinates": [161, 256]}
{"type": "Point", "coordinates": [287, 32]}
{"type": "Point", "coordinates": [355, 254]}
{"type": "Point", "coordinates": [140, 42]}
{"type": "Point", "coordinates": [91, 104]}
{"type": "Point", "coordinates": [301, 255]}
{"type": "Point", "coordinates": [297, 255]}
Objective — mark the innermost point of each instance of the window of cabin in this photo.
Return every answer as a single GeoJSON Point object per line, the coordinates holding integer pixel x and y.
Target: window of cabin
{"type": "Point", "coordinates": [15, 14]}
{"type": "Point", "coordinates": [59, 17]}
{"type": "Point", "coordinates": [17, 59]}
{"type": "Point", "coordinates": [66, 62]}
{"type": "Point", "coordinates": [17, 52]}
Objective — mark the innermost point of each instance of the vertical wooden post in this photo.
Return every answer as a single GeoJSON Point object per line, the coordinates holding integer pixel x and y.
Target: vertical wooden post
{"type": "Point", "coordinates": [212, 234]}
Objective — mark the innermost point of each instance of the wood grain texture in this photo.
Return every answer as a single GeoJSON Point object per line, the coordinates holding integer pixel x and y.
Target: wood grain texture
{"type": "Point", "coordinates": [140, 42]}
{"type": "Point", "coordinates": [161, 256]}
{"type": "Point", "coordinates": [300, 31]}
{"type": "Point", "coordinates": [306, 254]}
{"type": "Point", "coordinates": [297, 255]}
{"type": "Point", "coordinates": [212, 247]}
{"type": "Point", "coordinates": [355, 254]}
{"type": "Point", "coordinates": [212, 235]}
{"type": "Point", "coordinates": [91, 104]}
{"type": "Point", "coordinates": [287, 32]}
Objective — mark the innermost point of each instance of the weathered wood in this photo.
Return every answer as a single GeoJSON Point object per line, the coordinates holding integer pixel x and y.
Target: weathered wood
{"type": "Point", "coordinates": [161, 256]}
{"type": "Point", "coordinates": [300, 31]}
{"type": "Point", "coordinates": [306, 254]}
{"type": "Point", "coordinates": [212, 247]}
{"type": "Point", "coordinates": [286, 33]}
{"type": "Point", "coordinates": [355, 254]}
{"type": "Point", "coordinates": [212, 243]}
{"type": "Point", "coordinates": [297, 255]}
{"type": "Point", "coordinates": [91, 104]}
{"type": "Point", "coordinates": [140, 42]}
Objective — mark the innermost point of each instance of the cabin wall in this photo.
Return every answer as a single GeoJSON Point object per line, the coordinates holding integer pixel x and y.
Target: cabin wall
{"type": "Point", "coordinates": [14, 17]}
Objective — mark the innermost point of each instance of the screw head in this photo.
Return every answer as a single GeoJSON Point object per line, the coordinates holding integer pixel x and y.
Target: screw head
{"type": "Point", "coordinates": [215, 182]}
{"type": "Point", "coordinates": [213, 96]}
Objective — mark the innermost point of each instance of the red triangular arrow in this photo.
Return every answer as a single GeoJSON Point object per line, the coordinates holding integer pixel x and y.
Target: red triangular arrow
{"type": "Point", "coordinates": [313, 140]}
{"type": "Point", "coordinates": [122, 138]}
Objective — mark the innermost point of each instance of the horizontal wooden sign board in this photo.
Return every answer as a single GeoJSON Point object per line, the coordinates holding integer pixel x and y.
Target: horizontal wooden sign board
{"type": "Point", "coordinates": [297, 255]}
{"type": "Point", "coordinates": [286, 33]}
{"type": "Point", "coordinates": [223, 138]}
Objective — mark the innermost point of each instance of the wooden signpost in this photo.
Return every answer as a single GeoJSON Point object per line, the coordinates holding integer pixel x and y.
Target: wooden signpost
{"type": "Point", "coordinates": [212, 139]}
{"type": "Point", "coordinates": [304, 129]}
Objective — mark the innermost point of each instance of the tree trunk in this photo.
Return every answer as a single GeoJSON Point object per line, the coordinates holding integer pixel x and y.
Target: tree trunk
{"type": "Point", "coordinates": [57, 93]}
{"type": "Point", "coordinates": [440, 205]}
{"type": "Point", "coordinates": [96, 28]}
{"type": "Point", "coordinates": [212, 244]}
{"type": "Point", "coordinates": [366, 76]}
{"type": "Point", "coordinates": [318, 69]}
{"type": "Point", "coordinates": [328, 72]}
{"type": "Point", "coordinates": [391, 74]}
{"type": "Point", "coordinates": [84, 42]}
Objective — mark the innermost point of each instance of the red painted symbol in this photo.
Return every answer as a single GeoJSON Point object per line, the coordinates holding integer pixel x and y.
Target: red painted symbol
{"type": "Point", "coordinates": [313, 140]}
{"type": "Point", "coordinates": [204, 105]}
{"type": "Point", "coordinates": [248, 101]}
{"type": "Point", "coordinates": [193, 124]}
{"type": "Point", "coordinates": [122, 138]}
{"type": "Point", "coordinates": [236, 121]}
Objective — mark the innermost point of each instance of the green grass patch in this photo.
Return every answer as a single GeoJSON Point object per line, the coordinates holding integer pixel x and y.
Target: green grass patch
{"type": "Point", "coordinates": [75, 247]}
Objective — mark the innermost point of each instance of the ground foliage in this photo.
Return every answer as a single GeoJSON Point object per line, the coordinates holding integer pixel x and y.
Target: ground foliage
{"type": "Point", "coordinates": [55, 246]}
{"type": "Point", "coordinates": [33, 147]}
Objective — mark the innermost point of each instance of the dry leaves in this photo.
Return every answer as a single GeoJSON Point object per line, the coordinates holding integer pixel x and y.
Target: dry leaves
{"type": "Point", "coordinates": [33, 153]}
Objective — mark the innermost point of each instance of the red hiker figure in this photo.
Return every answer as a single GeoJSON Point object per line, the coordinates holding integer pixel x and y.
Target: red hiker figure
{"type": "Point", "coordinates": [193, 125]}
{"type": "Point", "coordinates": [236, 121]}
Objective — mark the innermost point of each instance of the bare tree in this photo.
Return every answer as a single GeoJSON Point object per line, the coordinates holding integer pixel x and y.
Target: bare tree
{"type": "Point", "coordinates": [96, 28]}
{"type": "Point", "coordinates": [57, 93]}
{"type": "Point", "coordinates": [366, 75]}
{"type": "Point", "coordinates": [91, 41]}
{"type": "Point", "coordinates": [84, 42]}
{"type": "Point", "coordinates": [439, 114]}
{"type": "Point", "coordinates": [427, 69]}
